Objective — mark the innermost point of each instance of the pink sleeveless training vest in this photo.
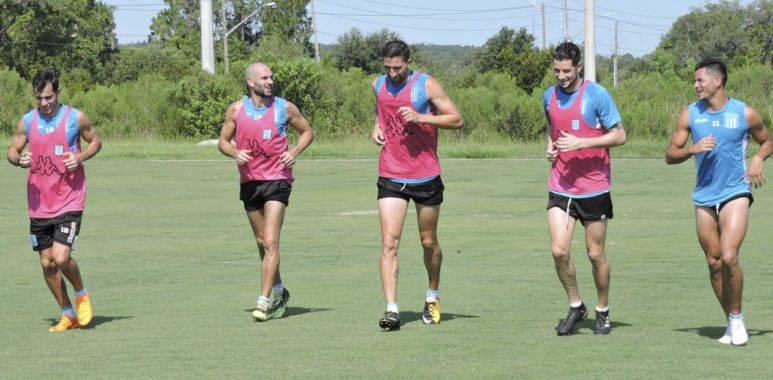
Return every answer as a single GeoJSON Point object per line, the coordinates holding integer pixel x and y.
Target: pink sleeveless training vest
{"type": "Point", "coordinates": [583, 171]}
{"type": "Point", "coordinates": [262, 137]}
{"type": "Point", "coordinates": [51, 189]}
{"type": "Point", "coordinates": [410, 150]}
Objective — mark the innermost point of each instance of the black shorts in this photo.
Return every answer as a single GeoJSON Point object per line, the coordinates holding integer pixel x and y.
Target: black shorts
{"type": "Point", "coordinates": [255, 194]}
{"type": "Point", "coordinates": [598, 207]}
{"type": "Point", "coordinates": [428, 193]}
{"type": "Point", "coordinates": [62, 229]}
{"type": "Point", "coordinates": [718, 207]}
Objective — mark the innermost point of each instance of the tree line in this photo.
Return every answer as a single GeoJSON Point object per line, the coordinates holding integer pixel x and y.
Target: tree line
{"type": "Point", "coordinates": [157, 89]}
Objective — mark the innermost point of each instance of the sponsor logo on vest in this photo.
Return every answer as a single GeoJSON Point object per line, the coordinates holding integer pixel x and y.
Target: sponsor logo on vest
{"type": "Point", "coordinates": [58, 150]}
{"type": "Point", "coordinates": [575, 125]}
{"type": "Point", "coordinates": [266, 134]}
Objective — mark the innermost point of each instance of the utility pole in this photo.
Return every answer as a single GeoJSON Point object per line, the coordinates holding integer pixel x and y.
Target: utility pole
{"type": "Point", "coordinates": [544, 39]}
{"type": "Point", "coordinates": [207, 39]}
{"type": "Point", "coordinates": [542, 10]}
{"type": "Point", "coordinates": [566, 21]}
{"type": "Point", "coordinates": [614, 60]}
{"type": "Point", "coordinates": [316, 36]}
{"type": "Point", "coordinates": [225, 37]}
{"type": "Point", "coordinates": [590, 41]}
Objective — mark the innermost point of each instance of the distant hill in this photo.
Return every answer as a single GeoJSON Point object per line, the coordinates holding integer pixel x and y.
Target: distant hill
{"type": "Point", "coordinates": [462, 54]}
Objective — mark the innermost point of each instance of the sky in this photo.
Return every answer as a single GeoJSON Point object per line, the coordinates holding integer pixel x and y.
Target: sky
{"type": "Point", "coordinates": [465, 22]}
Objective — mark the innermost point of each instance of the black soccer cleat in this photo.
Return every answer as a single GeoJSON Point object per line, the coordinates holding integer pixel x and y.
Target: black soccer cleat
{"type": "Point", "coordinates": [602, 326]}
{"type": "Point", "coordinates": [390, 322]}
{"type": "Point", "coordinates": [569, 324]}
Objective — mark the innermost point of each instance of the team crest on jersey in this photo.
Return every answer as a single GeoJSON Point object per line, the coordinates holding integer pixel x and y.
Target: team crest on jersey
{"type": "Point", "coordinates": [58, 150]}
{"type": "Point", "coordinates": [575, 125]}
{"type": "Point", "coordinates": [414, 94]}
{"type": "Point", "coordinates": [266, 134]}
{"type": "Point", "coordinates": [731, 120]}
{"type": "Point", "coordinates": [715, 123]}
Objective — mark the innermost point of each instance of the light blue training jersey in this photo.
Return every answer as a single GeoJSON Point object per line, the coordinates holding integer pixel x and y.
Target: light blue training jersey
{"type": "Point", "coordinates": [721, 172]}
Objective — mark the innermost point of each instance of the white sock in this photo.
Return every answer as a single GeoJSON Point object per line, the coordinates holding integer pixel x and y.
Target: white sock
{"type": "Point", "coordinates": [575, 305]}
{"type": "Point", "coordinates": [602, 309]}
{"type": "Point", "coordinates": [433, 295]}
{"type": "Point", "coordinates": [278, 288]}
{"type": "Point", "coordinates": [392, 307]}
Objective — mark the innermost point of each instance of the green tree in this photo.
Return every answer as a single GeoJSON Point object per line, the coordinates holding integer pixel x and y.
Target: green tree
{"type": "Point", "coordinates": [178, 27]}
{"type": "Point", "coordinates": [74, 35]}
{"type": "Point", "coordinates": [723, 30]}
{"type": "Point", "coordinates": [527, 68]}
{"type": "Point", "coordinates": [520, 41]}
{"type": "Point", "coordinates": [289, 20]}
{"type": "Point", "coordinates": [363, 52]}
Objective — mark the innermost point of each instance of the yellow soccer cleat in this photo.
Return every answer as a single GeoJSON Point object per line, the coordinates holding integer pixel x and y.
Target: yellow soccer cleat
{"type": "Point", "coordinates": [83, 308]}
{"type": "Point", "coordinates": [431, 314]}
{"type": "Point", "coordinates": [66, 323]}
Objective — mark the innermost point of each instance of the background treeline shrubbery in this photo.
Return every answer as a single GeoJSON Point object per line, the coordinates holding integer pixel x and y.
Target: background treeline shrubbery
{"type": "Point", "coordinates": [156, 90]}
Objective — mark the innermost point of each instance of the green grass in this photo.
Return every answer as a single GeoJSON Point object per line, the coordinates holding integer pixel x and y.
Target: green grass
{"type": "Point", "coordinates": [360, 147]}
{"type": "Point", "coordinates": [168, 256]}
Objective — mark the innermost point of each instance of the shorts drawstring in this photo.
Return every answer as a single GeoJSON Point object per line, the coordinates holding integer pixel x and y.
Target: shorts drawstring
{"type": "Point", "coordinates": [403, 188]}
{"type": "Point", "coordinates": [569, 203]}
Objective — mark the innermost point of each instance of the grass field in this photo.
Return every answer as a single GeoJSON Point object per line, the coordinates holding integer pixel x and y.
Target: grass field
{"type": "Point", "coordinates": [168, 256]}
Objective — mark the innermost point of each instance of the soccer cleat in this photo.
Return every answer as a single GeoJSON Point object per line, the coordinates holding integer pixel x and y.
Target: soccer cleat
{"type": "Point", "coordinates": [66, 323]}
{"type": "Point", "coordinates": [738, 335]}
{"type": "Point", "coordinates": [431, 314]}
{"type": "Point", "coordinates": [262, 312]}
{"type": "Point", "coordinates": [726, 338]}
{"type": "Point", "coordinates": [279, 306]}
{"type": "Point", "coordinates": [83, 309]}
{"type": "Point", "coordinates": [390, 322]}
{"type": "Point", "coordinates": [575, 315]}
{"type": "Point", "coordinates": [602, 325]}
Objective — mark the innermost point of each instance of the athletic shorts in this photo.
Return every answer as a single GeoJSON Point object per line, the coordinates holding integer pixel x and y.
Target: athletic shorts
{"type": "Point", "coordinates": [62, 229]}
{"type": "Point", "coordinates": [429, 193]}
{"type": "Point", "coordinates": [598, 207]}
{"type": "Point", "coordinates": [718, 207]}
{"type": "Point", "coordinates": [255, 194]}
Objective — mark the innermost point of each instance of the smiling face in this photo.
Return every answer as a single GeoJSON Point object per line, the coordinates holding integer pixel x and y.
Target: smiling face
{"type": "Point", "coordinates": [47, 101]}
{"type": "Point", "coordinates": [567, 75]}
{"type": "Point", "coordinates": [397, 69]}
{"type": "Point", "coordinates": [261, 81]}
{"type": "Point", "coordinates": [706, 83]}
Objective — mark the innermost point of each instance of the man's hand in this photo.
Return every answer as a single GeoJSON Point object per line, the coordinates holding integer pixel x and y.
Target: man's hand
{"type": "Point", "coordinates": [243, 156]}
{"type": "Point", "coordinates": [25, 160]}
{"type": "Point", "coordinates": [705, 144]}
{"type": "Point", "coordinates": [70, 161]}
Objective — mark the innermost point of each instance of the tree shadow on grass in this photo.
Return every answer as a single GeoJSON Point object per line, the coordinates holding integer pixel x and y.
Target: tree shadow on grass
{"type": "Point", "coordinates": [412, 316]}
{"type": "Point", "coordinates": [716, 332]}
{"type": "Point", "coordinates": [294, 310]}
{"type": "Point", "coordinates": [96, 321]}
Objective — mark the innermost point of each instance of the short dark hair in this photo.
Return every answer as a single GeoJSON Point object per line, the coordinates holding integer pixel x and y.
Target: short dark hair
{"type": "Point", "coordinates": [44, 77]}
{"type": "Point", "coordinates": [396, 48]}
{"type": "Point", "coordinates": [715, 65]}
{"type": "Point", "coordinates": [568, 50]}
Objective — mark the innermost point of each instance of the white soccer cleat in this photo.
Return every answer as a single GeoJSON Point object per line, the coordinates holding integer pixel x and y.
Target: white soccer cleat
{"type": "Point", "coordinates": [738, 335]}
{"type": "Point", "coordinates": [726, 339]}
